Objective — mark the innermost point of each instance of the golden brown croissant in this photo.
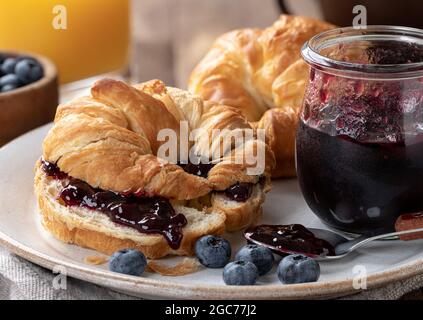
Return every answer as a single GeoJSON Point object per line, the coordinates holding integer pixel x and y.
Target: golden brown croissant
{"type": "Point", "coordinates": [257, 70]}
{"type": "Point", "coordinates": [109, 143]}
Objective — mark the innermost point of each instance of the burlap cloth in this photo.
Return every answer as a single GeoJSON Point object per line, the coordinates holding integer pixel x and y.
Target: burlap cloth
{"type": "Point", "coordinates": [20, 279]}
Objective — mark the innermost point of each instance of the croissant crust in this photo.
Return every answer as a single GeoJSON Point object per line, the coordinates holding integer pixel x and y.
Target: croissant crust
{"type": "Point", "coordinates": [256, 70]}
{"type": "Point", "coordinates": [109, 140]}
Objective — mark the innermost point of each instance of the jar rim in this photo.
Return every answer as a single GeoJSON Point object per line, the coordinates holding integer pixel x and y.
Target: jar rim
{"type": "Point", "coordinates": [311, 52]}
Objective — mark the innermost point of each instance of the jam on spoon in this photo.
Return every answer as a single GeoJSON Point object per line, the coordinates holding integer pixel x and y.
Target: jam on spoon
{"type": "Point", "coordinates": [288, 239]}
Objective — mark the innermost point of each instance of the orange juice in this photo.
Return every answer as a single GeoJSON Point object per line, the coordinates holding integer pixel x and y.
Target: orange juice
{"type": "Point", "coordinates": [83, 37]}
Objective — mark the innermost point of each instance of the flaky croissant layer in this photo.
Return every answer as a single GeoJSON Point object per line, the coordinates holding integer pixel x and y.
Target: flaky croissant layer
{"type": "Point", "coordinates": [109, 140]}
{"type": "Point", "coordinates": [262, 74]}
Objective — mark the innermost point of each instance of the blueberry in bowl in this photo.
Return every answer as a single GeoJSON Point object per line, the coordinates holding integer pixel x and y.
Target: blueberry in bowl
{"type": "Point", "coordinates": [19, 71]}
{"type": "Point", "coordinates": [212, 251]}
{"type": "Point", "coordinates": [9, 82]}
{"type": "Point", "coordinates": [28, 71]}
{"type": "Point", "coordinates": [28, 93]}
{"type": "Point", "coordinates": [8, 65]}
{"type": "Point", "coordinates": [260, 256]}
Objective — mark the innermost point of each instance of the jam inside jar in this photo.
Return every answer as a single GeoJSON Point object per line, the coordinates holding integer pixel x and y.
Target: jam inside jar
{"type": "Point", "coordinates": [359, 146]}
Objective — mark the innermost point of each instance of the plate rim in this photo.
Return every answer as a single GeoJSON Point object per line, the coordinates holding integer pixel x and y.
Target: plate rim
{"type": "Point", "coordinates": [141, 286]}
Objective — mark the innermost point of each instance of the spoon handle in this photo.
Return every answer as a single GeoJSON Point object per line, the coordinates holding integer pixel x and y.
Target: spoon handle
{"type": "Point", "coordinates": [351, 245]}
{"type": "Point", "coordinates": [362, 240]}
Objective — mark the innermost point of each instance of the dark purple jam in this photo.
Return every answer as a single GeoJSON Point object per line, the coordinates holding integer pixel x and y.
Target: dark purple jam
{"type": "Point", "coordinates": [359, 186]}
{"type": "Point", "coordinates": [200, 169]}
{"type": "Point", "coordinates": [392, 53]}
{"type": "Point", "coordinates": [52, 170]}
{"type": "Point", "coordinates": [359, 145]}
{"type": "Point", "coordinates": [146, 214]}
{"type": "Point", "coordinates": [239, 192]}
{"type": "Point", "coordinates": [286, 239]}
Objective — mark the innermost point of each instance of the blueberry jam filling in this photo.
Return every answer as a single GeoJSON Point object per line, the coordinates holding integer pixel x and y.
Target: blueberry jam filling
{"type": "Point", "coordinates": [239, 192]}
{"type": "Point", "coordinates": [200, 169]}
{"type": "Point", "coordinates": [289, 238]}
{"type": "Point", "coordinates": [51, 170]}
{"type": "Point", "coordinates": [146, 214]}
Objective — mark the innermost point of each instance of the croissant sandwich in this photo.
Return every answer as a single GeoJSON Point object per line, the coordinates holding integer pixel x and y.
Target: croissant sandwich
{"type": "Point", "coordinates": [104, 183]}
{"type": "Point", "coordinates": [261, 73]}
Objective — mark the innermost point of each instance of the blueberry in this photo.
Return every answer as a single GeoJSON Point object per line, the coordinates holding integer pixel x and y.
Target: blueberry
{"type": "Point", "coordinates": [213, 252]}
{"type": "Point", "coordinates": [240, 273]}
{"type": "Point", "coordinates": [8, 65]}
{"type": "Point", "coordinates": [128, 261]}
{"type": "Point", "coordinates": [298, 268]}
{"type": "Point", "coordinates": [9, 79]}
{"type": "Point", "coordinates": [8, 87]}
{"type": "Point", "coordinates": [28, 71]}
{"type": "Point", "coordinates": [261, 256]}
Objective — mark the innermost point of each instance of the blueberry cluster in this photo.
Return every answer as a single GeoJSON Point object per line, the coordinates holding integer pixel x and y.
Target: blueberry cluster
{"type": "Point", "coordinates": [253, 261]}
{"type": "Point", "coordinates": [18, 71]}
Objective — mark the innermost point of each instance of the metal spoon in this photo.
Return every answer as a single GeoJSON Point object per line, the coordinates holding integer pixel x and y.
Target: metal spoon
{"type": "Point", "coordinates": [344, 246]}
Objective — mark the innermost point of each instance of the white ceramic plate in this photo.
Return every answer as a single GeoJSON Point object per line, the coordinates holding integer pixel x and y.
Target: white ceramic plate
{"type": "Point", "coordinates": [20, 231]}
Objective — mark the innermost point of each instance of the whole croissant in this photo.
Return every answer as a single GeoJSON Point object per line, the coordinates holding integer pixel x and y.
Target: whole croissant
{"type": "Point", "coordinates": [110, 141]}
{"type": "Point", "coordinates": [261, 73]}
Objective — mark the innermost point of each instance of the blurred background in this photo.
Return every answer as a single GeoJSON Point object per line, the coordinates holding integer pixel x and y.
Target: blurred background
{"type": "Point", "coordinates": [171, 36]}
{"type": "Point", "coordinates": [83, 38]}
{"type": "Point", "coordinates": [161, 38]}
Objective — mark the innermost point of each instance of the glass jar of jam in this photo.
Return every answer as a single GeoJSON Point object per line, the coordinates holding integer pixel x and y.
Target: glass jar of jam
{"type": "Point", "coordinates": [359, 145]}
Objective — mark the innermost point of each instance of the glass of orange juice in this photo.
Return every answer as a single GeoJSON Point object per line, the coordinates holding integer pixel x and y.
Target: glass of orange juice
{"type": "Point", "coordinates": [84, 38]}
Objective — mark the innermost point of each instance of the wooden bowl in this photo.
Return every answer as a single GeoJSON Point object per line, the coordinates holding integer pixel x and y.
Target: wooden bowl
{"type": "Point", "coordinates": [30, 106]}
